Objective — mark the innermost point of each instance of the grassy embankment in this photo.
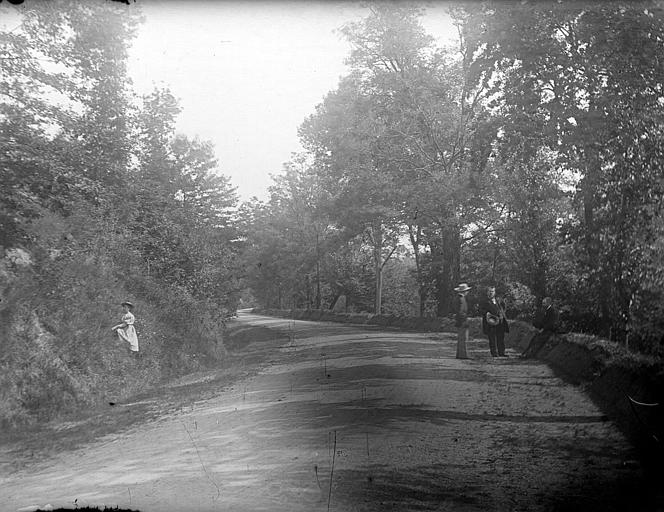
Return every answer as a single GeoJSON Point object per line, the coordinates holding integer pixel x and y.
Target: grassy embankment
{"type": "Point", "coordinates": [57, 351]}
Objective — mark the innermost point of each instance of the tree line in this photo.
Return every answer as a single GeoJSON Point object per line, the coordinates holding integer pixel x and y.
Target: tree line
{"type": "Point", "coordinates": [525, 154]}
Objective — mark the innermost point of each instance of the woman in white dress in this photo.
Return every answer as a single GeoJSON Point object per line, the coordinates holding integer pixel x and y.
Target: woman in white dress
{"type": "Point", "coordinates": [126, 331]}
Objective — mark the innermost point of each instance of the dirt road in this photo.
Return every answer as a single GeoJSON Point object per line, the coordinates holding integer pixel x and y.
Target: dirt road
{"type": "Point", "coordinates": [345, 418]}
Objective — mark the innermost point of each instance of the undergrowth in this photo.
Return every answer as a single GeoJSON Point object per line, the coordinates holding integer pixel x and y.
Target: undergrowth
{"type": "Point", "coordinates": [57, 307]}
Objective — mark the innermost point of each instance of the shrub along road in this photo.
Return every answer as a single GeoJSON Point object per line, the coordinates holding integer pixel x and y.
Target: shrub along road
{"type": "Point", "coordinates": [337, 417]}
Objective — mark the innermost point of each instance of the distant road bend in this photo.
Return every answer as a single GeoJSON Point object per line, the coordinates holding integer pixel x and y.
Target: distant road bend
{"type": "Point", "coordinates": [352, 418]}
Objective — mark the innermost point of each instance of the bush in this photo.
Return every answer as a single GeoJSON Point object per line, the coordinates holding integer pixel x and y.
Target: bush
{"type": "Point", "coordinates": [520, 301]}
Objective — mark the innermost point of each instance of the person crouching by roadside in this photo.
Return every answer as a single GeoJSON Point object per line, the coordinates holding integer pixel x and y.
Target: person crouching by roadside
{"type": "Point", "coordinates": [547, 323]}
{"type": "Point", "coordinates": [494, 323]}
{"type": "Point", "coordinates": [461, 320]}
{"type": "Point", "coordinates": [126, 330]}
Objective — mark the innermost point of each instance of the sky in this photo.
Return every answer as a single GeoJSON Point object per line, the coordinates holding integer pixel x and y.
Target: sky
{"type": "Point", "coordinates": [247, 74]}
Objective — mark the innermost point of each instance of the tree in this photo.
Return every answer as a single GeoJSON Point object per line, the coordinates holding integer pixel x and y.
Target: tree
{"type": "Point", "coordinates": [291, 234]}
{"type": "Point", "coordinates": [404, 137]}
{"type": "Point", "coordinates": [51, 94]}
{"type": "Point", "coordinates": [344, 139]}
{"type": "Point", "coordinates": [586, 81]}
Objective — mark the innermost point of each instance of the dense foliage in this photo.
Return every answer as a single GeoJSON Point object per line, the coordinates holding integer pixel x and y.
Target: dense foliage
{"type": "Point", "coordinates": [526, 155]}
{"type": "Point", "coordinates": [101, 202]}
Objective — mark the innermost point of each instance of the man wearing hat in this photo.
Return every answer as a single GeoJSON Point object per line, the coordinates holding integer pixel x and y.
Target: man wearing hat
{"type": "Point", "coordinates": [461, 320]}
{"type": "Point", "coordinates": [494, 323]}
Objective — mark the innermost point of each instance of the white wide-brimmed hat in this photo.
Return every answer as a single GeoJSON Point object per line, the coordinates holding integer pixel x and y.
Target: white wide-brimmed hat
{"type": "Point", "coordinates": [463, 287]}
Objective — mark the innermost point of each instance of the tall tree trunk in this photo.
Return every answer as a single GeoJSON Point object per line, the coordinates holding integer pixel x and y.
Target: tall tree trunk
{"type": "Point", "coordinates": [308, 291]}
{"type": "Point", "coordinates": [377, 233]}
{"type": "Point", "coordinates": [496, 253]}
{"type": "Point", "coordinates": [379, 290]}
{"type": "Point", "coordinates": [437, 271]}
{"type": "Point", "coordinates": [446, 267]}
{"type": "Point", "coordinates": [317, 271]}
{"type": "Point", "coordinates": [421, 288]}
{"type": "Point", "coordinates": [601, 283]}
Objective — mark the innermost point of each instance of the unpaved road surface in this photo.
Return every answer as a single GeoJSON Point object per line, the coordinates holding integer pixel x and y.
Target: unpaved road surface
{"type": "Point", "coordinates": [345, 418]}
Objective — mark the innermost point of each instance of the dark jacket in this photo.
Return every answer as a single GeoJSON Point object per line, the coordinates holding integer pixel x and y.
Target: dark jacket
{"type": "Point", "coordinates": [497, 309]}
{"type": "Point", "coordinates": [547, 320]}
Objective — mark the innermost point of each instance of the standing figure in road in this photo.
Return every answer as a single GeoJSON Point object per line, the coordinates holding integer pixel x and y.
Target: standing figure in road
{"type": "Point", "coordinates": [126, 330]}
{"type": "Point", "coordinates": [461, 320]}
{"type": "Point", "coordinates": [547, 323]}
{"type": "Point", "coordinates": [494, 323]}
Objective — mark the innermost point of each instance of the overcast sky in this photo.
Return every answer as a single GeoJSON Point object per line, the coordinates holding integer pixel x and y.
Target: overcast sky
{"type": "Point", "coordinates": [247, 73]}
